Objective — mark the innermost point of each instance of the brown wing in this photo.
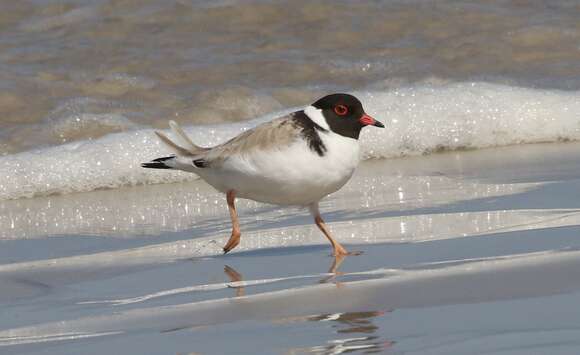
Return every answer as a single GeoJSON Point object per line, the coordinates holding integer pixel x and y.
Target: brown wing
{"type": "Point", "coordinates": [280, 132]}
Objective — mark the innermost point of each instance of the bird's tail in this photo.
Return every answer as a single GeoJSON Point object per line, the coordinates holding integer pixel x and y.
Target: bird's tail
{"type": "Point", "coordinates": [188, 148]}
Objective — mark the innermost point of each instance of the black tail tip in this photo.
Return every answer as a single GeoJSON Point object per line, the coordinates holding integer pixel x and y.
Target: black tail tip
{"type": "Point", "coordinates": [158, 163]}
{"type": "Point", "coordinates": [155, 165]}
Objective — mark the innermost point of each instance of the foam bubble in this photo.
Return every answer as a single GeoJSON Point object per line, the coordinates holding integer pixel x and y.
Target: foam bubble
{"type": "Point", "coordinates": [418, 120]}
{"type": "Point", "coordinates": [426, 119]}
{"type": "Point", "coordinates": [109, 162]}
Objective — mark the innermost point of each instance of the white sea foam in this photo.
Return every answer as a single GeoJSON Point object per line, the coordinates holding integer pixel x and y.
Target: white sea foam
{"type": "Point", "coordinates": [418, 120]}
{"type": "Point", "coordinates": [427, 119]}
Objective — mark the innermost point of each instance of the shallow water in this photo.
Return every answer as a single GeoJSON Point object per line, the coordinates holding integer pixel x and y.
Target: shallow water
{"type": "Point", "coordinates": [471, 250]}
{"type": "Point", "coordinates": [77, 70]}
{"type": "Point", "coordinates": [463, 252]}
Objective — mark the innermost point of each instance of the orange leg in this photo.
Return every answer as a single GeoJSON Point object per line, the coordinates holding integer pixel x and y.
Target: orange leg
{"type": "Point", "coordinates": [338, 250]}
{"type": "Point", "coordinates": [235, 237]}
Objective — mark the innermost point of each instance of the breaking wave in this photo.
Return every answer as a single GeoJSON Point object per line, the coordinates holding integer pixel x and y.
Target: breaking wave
{"type": "Point", "coordinates": [419, 120]}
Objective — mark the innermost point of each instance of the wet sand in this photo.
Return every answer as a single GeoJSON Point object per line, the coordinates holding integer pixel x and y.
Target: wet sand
{"type": "Point", "coordinates": [463, 252]}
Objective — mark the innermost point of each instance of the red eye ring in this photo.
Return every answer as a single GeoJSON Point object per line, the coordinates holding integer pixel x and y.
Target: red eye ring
{"type": "Point", "coordinates": [340, 110]}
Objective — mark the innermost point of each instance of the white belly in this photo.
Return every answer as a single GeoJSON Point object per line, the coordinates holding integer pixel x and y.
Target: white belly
{"type": "Point", "coordinates": [293, 176]}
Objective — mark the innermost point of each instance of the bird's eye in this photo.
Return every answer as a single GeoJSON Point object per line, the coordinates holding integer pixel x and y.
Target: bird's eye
{"type": "Point", "coordinates": [340, 110]}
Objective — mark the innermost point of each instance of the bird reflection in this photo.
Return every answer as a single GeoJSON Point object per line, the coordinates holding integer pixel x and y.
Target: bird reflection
{"type": "Point", "coordinates": [365, 345]}
{"type": "Point", "coordinates": [234, 277]}
{"type": "Point", "coordinates": [336, 262]}
{"type": "Point", "coordinates": [348, 323]}
{"type": "Point", "coordinates": [351, 323]}
{"type": "Point", "coordinates": [333, 270]}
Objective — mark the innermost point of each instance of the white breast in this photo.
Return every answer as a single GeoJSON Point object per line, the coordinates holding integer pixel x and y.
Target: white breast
{"type": "Point", "coordinates": [294, 175]}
